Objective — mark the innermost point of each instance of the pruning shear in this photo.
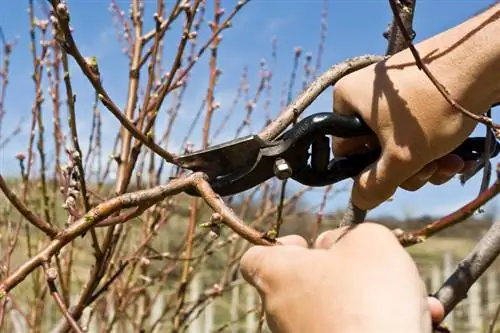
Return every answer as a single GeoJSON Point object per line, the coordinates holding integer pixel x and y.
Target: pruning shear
{"type": "Point", "coordinates": [301, 153]}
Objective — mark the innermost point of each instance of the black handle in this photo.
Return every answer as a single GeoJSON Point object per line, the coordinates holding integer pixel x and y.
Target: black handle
{"type": "Point", "coordinates": [327, 123]}
{"type": "Point", "coordinates": [293, 146]}
{"type": "Point", "coordinates": [341, 168]}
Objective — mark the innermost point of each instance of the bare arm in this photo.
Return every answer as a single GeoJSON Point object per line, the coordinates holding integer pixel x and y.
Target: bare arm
{"type": "Point", "coordinates": [466, 59]}
{"type": "Point", "coordinates": [415, 125]}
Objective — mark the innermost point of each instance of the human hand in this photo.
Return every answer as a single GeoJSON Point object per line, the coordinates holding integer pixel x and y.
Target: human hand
{"type": "Point", "coordinates": [363, 282]}
{"type": "Point", "coordinates": [414, 125]}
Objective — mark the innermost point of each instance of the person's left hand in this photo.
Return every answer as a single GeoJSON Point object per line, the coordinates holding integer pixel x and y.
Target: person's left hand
{"type": "Point", "coordinates": [364, 282]}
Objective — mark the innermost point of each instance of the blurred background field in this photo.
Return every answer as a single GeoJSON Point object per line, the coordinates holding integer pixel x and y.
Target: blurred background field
{"type": "Point", "coordinates": [235, 309]}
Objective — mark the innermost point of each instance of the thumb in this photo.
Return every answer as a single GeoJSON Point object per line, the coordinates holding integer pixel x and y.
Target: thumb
{"type": "Point", "coordinates": [266, 267]}
{"type": "Point", "coordinates": [379, 181]}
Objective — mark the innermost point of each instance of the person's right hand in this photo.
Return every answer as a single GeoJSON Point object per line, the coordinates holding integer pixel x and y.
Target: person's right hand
{"type": "Point", "coordinates": [415, 126]}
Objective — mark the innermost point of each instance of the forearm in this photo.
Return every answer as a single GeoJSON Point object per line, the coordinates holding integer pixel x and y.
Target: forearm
{"type": "Point", "coordinates": [465, 59]}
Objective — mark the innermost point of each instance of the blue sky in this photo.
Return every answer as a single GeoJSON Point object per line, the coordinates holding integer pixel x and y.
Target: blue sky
{"type": "Point", "coordinates": [354, 28]}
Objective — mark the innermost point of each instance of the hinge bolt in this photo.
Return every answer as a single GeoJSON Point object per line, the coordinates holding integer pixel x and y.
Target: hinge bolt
{"type": "Point", "coordinates": [282, 169]}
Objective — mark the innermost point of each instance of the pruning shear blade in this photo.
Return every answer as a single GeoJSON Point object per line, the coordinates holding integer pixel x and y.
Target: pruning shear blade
{"type": "Point", "coordinates": [224, 158]}
{"type": "Point", "coordinates": [240, 164]}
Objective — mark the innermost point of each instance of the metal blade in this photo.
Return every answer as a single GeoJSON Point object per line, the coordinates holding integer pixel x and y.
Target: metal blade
{"type": "Point", "coordinates": [465, 177]}
{"type": "Point", "coordinates": [224, 158]}
{"type": "Point", "coordinates": [491, 149]}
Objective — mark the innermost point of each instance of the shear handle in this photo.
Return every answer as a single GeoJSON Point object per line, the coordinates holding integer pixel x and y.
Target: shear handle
{"type": "Point", "coordinates": [306, 131]}
{"type": "Point", "coordinates": [292, 146]}
{"type": "Point", "coordinates": [341, 168]}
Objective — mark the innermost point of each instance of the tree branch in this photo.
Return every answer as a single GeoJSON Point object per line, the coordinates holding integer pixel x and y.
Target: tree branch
{"type": "Point", "coordinates": [453, 218]}
{"type": "Point", "coordinates": [143, 199]}
{"type": "Point", "coordinates": [485, 252]}
{"type": "Point", "coordinates": [50, 276]}
{"type": "Point", "coordinates": [32, 218]}
{"type": "Point", "coordinates": [328, 78]}
{"type": "Point", "coordinates": [394, 35]}
{"type": "Point", "coordinates": [67, 42]}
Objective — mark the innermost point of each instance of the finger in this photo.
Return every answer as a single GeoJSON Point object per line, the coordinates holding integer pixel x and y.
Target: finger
{"type": "Point", "coordinates": [326, 239]}
{"type": "Point", "coordinates": [440, 179]}
{"type": "Point", "coordinates": [468, 167]}
{"type": "Point", "coordinates": [366, 239]}
{"type": "Point", "coordinates": [420, 178]}
{"type": "Point", "coordinates": [252, 261]}
{"type": "Point", "coordinates": [448, 167]}
{"type": "Point", "coordinates": [293, 240]}
{"type": "Point", "coordinates": [436, 308]}
{"type": "Point", "coordinates": [264, 267]}
{"type": "Point", "coordinates": [380, 180]}
{"type": "Point", "coordinates": [251, 265]}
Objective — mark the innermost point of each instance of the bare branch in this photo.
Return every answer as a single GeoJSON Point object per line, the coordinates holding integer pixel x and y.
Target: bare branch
{"type": "Point", "coordinates": [492, 324]}
{"type": "Point", "coordinates": [50, 276]}
{"type": "Point", "coordinates": [77, 156]}
{"type": "Point", "coordinates": [453, 218]}
{"type": "Point", "coordinates": [91, 72]}
{"type": "Point", "coordinates": [215, 202]}
{"type": "Point", "coordinates": [144, 198]}
{"type": "Point", "coordinates": [470, 269]}
{"type": "Point", "coordinates": [325, 80]}
{"type": "Point", "coordinates": [395, 37]}
{"type": "Point", "coordinates": [33, 218]}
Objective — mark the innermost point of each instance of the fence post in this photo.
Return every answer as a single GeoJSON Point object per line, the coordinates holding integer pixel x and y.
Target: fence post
{"type": "Point", "coordinates": [251, 320]}
{"type": "Point", "coordinates": [209, 317]}
{"type": "Point", "coordinates": [474, 313]}
{"type": "Point", "coordinates": [194, 293]}
{"type": "Point", "coordinates": [18, 322]}
{"type": "Point", "coordinates": [235, 301]}
{"type": "Point", "coordinates": [156, 312]}
{"type": "Point", "coordinates": [448, 267]}
{"type": "Point", "coordinates": [492, 292]}
{"type": "Point", "coordinates": [436, 278]}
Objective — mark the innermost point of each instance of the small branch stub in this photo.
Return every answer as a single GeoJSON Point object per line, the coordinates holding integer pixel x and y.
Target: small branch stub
{"type": "Point", "coordinates": [51, 274]}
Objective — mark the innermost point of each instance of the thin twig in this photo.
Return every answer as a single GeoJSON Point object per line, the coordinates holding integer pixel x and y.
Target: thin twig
{"type": "Point", "coordinates": [325, 80]}
{"type": "Point", "coordinates": [214, 74]}
{"type": "Point", "coordinates": [78, 155]}
{"type": "Point", "coordinates": [50, 276]}
{"type": "Point", "coordinates": [68, 43]}
{"type": "Point", "coordinates": [32, 217]}
{"type": "Point", "coordinates": [453, 218]}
